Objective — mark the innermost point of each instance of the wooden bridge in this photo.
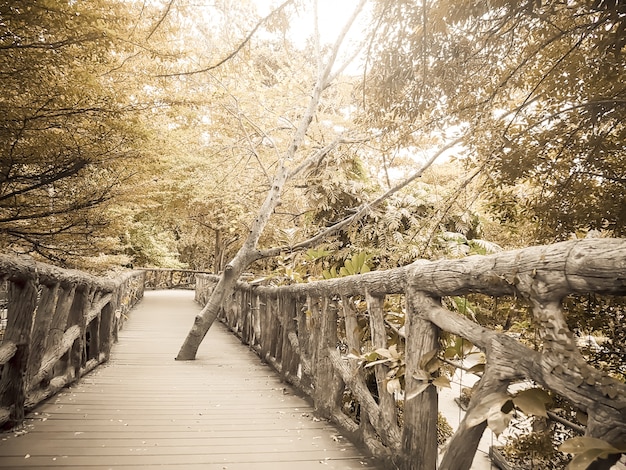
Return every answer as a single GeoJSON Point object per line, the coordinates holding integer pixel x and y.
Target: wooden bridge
{"type": "Point", "coordinates": [228, 410]}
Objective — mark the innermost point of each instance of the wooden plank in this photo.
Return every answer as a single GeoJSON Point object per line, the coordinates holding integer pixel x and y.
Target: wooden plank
{"type": "Point", "coordinates": [225, 410]}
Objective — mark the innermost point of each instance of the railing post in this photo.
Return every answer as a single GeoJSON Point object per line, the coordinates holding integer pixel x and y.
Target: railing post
{"type": "Point", "coordinates": [77, 317]}
{"type": "Point", "coordinates": [379, 340]}
{"type": "Point", "coordinates": [304, 341]}
{"type": "Point", "coordinates": [255, 307]}
{"type": "Point", "coordinates": [272, 329]}
{"type": "Point", "coordinates": [22, 298]}
{"type": "Point", "coordinates": [419, 433]}
{"type": "Point", "coordinates": [107, 324]}
{"type": "Point", "coordinates": [327, 383]}
{"type": "Point", "coordinates": [92, 336]}
{"type": "Point", "coordinates": [290, 361]}
{"type": "Point", "coordinates": [245, 314]}
{"type": "Point", "coordinates": [41, 328]}
{"type": "Point", "coordinates": [265, 325]}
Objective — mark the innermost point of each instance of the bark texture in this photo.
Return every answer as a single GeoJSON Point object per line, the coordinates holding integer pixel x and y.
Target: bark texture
{"type": "Point", "coordinates": [542, 274]}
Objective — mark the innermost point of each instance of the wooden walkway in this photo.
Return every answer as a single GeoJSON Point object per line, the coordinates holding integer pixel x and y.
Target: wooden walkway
{"type": "Point", "coordinates": [225, 410]}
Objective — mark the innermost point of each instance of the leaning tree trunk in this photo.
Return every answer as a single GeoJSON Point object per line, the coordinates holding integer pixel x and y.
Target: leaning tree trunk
{"type": "Point", "coordinates": [225, 287]}
{"type": "Point", "coordinates": [203, 321]}
{"type": "Point", "coordinates": [249, 252]}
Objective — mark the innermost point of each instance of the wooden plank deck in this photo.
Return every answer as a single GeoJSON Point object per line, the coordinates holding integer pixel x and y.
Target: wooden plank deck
{"type": "Point", "coordinates": [225, 410]}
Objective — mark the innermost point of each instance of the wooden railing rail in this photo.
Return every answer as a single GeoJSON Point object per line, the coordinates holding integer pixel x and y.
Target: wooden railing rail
{"type": "Point", "coordinates": [59, 324]}
{"type": "Point", "coordinates": [297, 330]}
{"type": "Point", "coordinates": [164, 278]}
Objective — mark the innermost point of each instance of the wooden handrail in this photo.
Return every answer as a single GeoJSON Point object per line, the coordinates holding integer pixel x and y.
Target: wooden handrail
{"type": "Point", "coordinates": [60, 325]}
{"type": "Point", "coordinates": [165, 278]}
{"type": "Point", "coordinates": [296, 329]}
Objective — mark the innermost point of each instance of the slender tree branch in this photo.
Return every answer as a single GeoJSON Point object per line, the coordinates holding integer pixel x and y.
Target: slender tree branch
{"type": "Point", "coordinates": [361, 212]}
{"type": "Point", "coordinates": [236, 51]}
{"type": "Point", "coordinates": [319, 155]}
{"type": "Point", "coordinates": [162, 19]}
{"type": "Point", "coordinates": [46, 179]}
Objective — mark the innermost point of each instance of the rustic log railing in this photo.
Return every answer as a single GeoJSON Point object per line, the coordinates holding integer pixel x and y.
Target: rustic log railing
{"type": "Point", "coordinates": [297, 328]}
{"type": "Point", "coordinates": [163, 278]}
{"type": "Point", "coordinates": [59, 324]}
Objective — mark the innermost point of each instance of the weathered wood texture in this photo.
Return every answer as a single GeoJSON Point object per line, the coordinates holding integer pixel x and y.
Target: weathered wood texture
{"type": "Point", "coordinates": [143, 410]}
{"type": "Point", "coordinates": [170, 278]}
{"type": "Point", "coordinates": [312, 345]}
{"type": "Point", "coordinates": [59, 325]}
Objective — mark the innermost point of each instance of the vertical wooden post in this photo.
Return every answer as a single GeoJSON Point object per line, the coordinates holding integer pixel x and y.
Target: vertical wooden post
{"type": "Point", "coordinates": [304, 340]}
{"type": "Point", "coordinates": [92, 338]}
{"type": "Point", "coordinates": [245, 312]}
{"type": "Point", "coordinates": [265, 327]}
{"type": "Point", "coordinates": [107, 323]}
{"type": "Point", "coordinates": [22, 302]}
{"type": "Point", "coordinates": [82, 300]}
{"type": "Point", "coordinates": [352, 327]}
{"type": "Point", "coordinates": [287, 307]}
{"type": "Point", "coordinates": [271, 326]}
{"type": "Point", "coordinates": [419, 434]}
{"type": "Point", "coordinates": [387, 401]}
{"type": "Point", "coordinates": [353, 340]}
{"type": "Point", "coordinates": [41, 328]}
{"type": "Point", "coordinates": [255, 307]}
{"type": "Point", "coordinates": [328, 386]}
{"type": "Point", "coordinates": [67, 294]}
{"type": "Point", "coordinates": [313, 328]}
{"type": "Point", "coordinates": [277, 332]}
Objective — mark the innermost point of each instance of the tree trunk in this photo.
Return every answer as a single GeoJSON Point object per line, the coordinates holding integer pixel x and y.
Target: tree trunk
{"type": "Point", "coordinates": [419, 434]}
{"type": "Point", "coordinates": [220, 250]}
{"type": "Point", "coordinates": [249, 253]}
{"type": "Point", "coordinates": [203, 321]}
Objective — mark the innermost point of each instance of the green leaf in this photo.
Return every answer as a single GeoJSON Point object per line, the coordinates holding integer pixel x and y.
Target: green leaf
{"type": "Point", "coordinates": [314, 255]}
{"type": "Point", "coordinates": [490, 404]}
{"type": "Point", "coordinates": [463, 347]}
{"type": "Point", "coordinates": [450, 352]}
{"type": "Point", "coordinates": [332, 274]}
{"type": "Point", "coordinates": [373, 363]}
{"type": "Point", "coordinates": [371, 356]}
{"type": "Point", "coordinates": [442, 382]}
{"type": "Point", "coordinates": [349, 265]}
{"type": "Point", "coordinates": [422, 376]}
{"type": "Point", "coordinates": [583, 460]}
{"type": "Point", "coordinates": [498, 421]}
{"type": "Point", "coordinates": [384, 353]}
{"type": "Point", "coordinates": [532, 402]}
{"type": "Point", "coordinates": [433, 365]}
{"type": "Point", "coordinates": [418, 390]}
{"type": "Point", "coordinates": [394, 385]}
{"type": "Point", "coordinates": [577, 445]}
{"type": "Point", "coordinates": [476, 368]}
{"type": "Point", "coordinates": [359, 259]}
{"type": "Point", "coordinates": [426, 358]}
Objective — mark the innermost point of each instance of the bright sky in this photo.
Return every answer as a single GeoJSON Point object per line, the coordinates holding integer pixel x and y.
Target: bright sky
{"type": "Point", "coordinates": [333, 15]}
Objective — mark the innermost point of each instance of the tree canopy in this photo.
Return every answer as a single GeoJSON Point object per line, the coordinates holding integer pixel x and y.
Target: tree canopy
{"type": "Point", "coordinates": [535, 88]}
{"type": "Point", "coordinates": [151, 132]}
{"type": "Point", "coordinates": [68, 133]}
